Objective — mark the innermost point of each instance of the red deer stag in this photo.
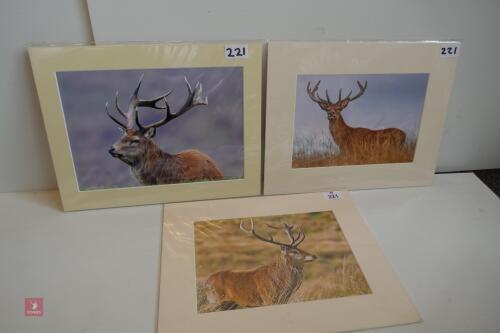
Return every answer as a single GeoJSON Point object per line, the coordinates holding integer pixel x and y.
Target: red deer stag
{"type": "Point", "coordinates": [148, 162]}
{"type": "Point", "coordinates": [265, 285]}
{"type": "Point", "coordinates": [350, 138]}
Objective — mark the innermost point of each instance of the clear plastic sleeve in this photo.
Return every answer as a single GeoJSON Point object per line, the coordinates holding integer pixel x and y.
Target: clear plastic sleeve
{"type": "Point", "coordinates": [133, 124]}
{"type": "Point", "coordinates": [355, 115]}
{"type": "Point", "coordinates": [273, 264]}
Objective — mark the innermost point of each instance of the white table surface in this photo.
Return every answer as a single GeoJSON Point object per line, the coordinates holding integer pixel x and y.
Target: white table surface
{"type": "Point", "coordinates": [98, 270]}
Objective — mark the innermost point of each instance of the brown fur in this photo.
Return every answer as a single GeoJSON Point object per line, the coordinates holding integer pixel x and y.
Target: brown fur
{"type": "Point", "coordinates": [347, 137]}
{"type": "Point", "coordinates": [152, 166]}
{"type": "Point", "coordinates": [265, 285]}
{"type": "Point", "coordinates": [148, 162]}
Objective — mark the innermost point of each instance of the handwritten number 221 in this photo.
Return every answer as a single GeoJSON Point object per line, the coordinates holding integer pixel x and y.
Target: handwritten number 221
{"type": "Point", "coordinates": [448, 50]}
{"type": "Point", "coordinates": [236, 52]}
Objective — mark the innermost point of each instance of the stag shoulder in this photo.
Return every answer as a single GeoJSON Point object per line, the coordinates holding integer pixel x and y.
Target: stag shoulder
{"type": "Point", "coordinates": [197, 165]}
{"type": "Point", "coordinates": [222, 288]}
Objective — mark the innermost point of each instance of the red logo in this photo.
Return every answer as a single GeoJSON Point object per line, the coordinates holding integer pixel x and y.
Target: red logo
{"type": "Point", "coordinates": [33, 307]}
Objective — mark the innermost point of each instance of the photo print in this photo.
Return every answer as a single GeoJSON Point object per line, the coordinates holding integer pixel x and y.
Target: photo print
{"type": "Point", "coordinates": [141, 127]}
{"type": "Point", "coordinates": [357, 119]}
{"type": "Point", "coordinates": [270, 260]}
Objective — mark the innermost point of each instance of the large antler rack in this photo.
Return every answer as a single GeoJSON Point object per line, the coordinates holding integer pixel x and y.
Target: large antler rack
{"type": "Point", "coordinates": [348, 97]}
{"type": "Point", "coordinates": [195, 98]}
{"type": "Point", "coordinates": [313, 94]}
{"type": "Point", "coordinates": [288, 229]}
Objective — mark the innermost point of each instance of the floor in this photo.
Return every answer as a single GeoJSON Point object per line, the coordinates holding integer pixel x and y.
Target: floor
{"type": "Point", "coordinates": [491, 178]}
{"type": "Point", "coordinates": [442, 245]}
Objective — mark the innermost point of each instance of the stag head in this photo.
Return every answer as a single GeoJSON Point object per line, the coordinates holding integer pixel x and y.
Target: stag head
{"type": "Point", "coordinates": [333, 109]}
{"type": "Point", "coordinates": [288, 249]}
{"type": "Point", "coordinates": [131, 147]}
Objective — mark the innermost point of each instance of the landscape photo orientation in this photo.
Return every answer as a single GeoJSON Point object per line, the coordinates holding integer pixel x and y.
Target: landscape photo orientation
{"type": "Point", "coordinates": [122, 134]}
{"type": "Point", "coordinates": [357, 119]}
{"type": "Point", "coordinates": [270, 260]}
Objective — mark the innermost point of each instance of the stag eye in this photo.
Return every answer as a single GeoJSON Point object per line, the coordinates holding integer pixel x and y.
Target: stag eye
{"type": "Point", "coordinates": [135, 141]}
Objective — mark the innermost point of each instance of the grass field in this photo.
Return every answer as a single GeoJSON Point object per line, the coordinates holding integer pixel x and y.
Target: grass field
{"type": "Point", "coordinates": [321, 151]}
{"type": "Point", "coordinates": [221, 245]}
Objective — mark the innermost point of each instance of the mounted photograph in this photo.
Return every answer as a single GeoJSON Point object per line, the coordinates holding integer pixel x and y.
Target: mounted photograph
{"type": "Point", "coordinates": [270, 260]}
{"type": "Point", "coordinates": [135, 124]}
{"type": "Point", "coordinates": [247, 263]}
{"type": "Point", "coordinates": [354, 115]}
{"type": "Point", "coordinates": [152, 126]}
{"type": "Point", "coordinates": [369, 119]}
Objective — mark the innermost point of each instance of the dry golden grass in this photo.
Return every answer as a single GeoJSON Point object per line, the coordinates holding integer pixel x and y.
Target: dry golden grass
{"type": "Point", "coordinates": [319, 152]}
{"type": "Point", "coordinates": [221, 245]}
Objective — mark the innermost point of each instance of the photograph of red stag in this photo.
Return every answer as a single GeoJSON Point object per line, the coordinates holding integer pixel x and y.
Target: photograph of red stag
{"type": "Point", "coordinates": [287, 259]}
{"type": "Point", "coordinates": [381, 128]}
{"type": "Point", "coordinates": [149, 164]}
{"type": "Point", "coordinates": [265, 285]}
{"type": "Point", "coordinates": [351, 138]}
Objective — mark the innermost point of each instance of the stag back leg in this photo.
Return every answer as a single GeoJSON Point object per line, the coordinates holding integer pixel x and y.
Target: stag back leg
{"type": "Point", "coordinates": [226, 305]}
{"type": "Point", "coordinates": [399, 140]}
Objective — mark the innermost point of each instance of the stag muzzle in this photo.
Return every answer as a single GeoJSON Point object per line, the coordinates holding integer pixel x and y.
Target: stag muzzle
{"type": "Point", "coordinates": [310, 257]}
{"type": "Point", "coordinates": [112, 152]}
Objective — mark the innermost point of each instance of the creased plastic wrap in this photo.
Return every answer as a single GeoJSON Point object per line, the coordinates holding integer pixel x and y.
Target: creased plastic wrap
{"type": "Point", "coordinates": [132, 124]}
{"type": "Point", "coordinates": [292, 263]}
{"type": "Point", "coordinates": [355, 115]}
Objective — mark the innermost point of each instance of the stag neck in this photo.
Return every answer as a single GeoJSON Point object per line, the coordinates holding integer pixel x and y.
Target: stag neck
{"type": "Point", "coordinates": [340, 130]}
{"type": "Point", "coordinates": [152, 154]}
{"type": "Point", "coordinates": [288, 275]}
{"type": "Point", "coordinates": [339, 121]}
{"type": "Point", "coordinates": [152, 162]}
{"type": "Point", "coordinates": [285, 262]}
{"type": "Point", "coordinates": [153, 148]}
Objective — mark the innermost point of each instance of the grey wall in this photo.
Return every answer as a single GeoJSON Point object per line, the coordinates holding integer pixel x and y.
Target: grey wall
{"type": "Point", "coordinates": [471, 135]}
{"type": "Point", "coordinates": [25, 162]}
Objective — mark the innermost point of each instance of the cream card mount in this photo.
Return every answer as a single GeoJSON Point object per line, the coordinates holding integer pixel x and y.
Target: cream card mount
{"type": "Point", "coordinates": [355, 115]}
{"type": "Point", "coordinates": [293, 263]}
{"type": "Point", "coordinates": [132, 124]}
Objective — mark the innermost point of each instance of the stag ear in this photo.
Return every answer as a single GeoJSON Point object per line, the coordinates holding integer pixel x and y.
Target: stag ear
{"type": "Point", "coordinates": [150, 133]}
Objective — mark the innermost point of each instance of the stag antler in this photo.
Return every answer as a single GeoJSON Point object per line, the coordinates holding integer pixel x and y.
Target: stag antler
{"type": "Point", "coordinates": [348, 97]}
{"type": "Point", "coordinates": [252, 231]}
{"type": "Point", "coordinates": [313, 94]}
{"type": "Point", "coordinates": [132, 116]}
{"type": "Point", "coordinates": [194, 99]}
{"type": "Point", "coordinates": [288, 229]}
{"type": "Point", "coordinates": [135, 102]}
{"type": "Point", "coordinates": [119, 123]}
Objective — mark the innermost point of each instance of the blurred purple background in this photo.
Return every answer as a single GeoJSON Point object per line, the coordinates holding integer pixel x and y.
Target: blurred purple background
{"type": "Point", "coordinates": [216, 129]}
